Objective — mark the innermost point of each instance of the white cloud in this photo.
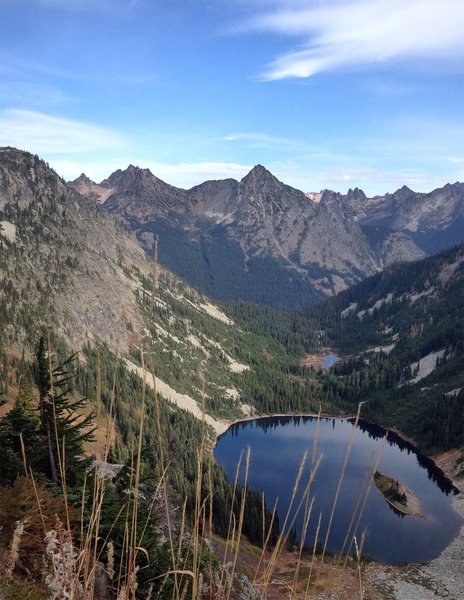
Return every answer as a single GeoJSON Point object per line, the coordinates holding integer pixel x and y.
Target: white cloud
{"type": "Point", "coordinates": [72, 147]}
{"type": "Point", "coordinates": [44, 134]}
{"type": "Point", "coordinates": [376, 179]}
{"type": "Point", "coordinates": [29, 93]}
{"type": "Point", "coordinates": [188, 174]}
{"type": "Point", "coordinates": [345, 33]}
{"type": "Point", "coordinates": [263, 140]}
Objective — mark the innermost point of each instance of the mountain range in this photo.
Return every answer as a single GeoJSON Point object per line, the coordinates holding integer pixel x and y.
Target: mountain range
{"type": "Point", "coordinates": [246, 239]}
{"type": "Point", "coordinates": [67, 264]}
{"type": "Point", "coordinates": [70, 269]}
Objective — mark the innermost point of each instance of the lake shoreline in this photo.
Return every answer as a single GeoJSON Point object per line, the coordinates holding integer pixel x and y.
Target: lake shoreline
{"type": "Point", "coordinates": [441, 461]}
{"type": "Point", "coordinates": [437, 459]}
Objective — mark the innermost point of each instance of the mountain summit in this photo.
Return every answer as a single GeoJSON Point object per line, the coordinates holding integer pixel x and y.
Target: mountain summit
{"type": "Point", "coordinates": [246, 239]}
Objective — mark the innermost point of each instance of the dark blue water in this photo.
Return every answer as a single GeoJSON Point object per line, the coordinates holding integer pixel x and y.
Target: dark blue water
{"type": "Point", "coordinates": [277, 447]}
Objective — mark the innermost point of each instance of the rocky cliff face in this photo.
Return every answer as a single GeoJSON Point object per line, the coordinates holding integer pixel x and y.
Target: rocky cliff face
{"type": "Point", "coordinates": [69, 267]}
{"type": "Point", "coordinates": [136, 194]}
{"type": "Point", "coordinates": [428, 222]}
{"type": "Point", "coordinates": [264, 241]}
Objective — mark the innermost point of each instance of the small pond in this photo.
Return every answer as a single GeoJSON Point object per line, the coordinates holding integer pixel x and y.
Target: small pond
{"type": "Point", "coordinates": [329, 360]}
{"type": "Point", "coordinates": [277, 446]}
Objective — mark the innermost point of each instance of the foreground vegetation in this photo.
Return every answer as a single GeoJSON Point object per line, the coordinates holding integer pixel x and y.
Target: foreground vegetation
{"type": "Point", "coordinates": [109, 491]}
{"type": "Point", "coordinates": [140, 528]}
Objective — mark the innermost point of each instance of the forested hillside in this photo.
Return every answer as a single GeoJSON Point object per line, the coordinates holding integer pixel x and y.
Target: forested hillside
{"type": "Point", "coordinates": [108, 356]}
{"type": "Point", "coordinates": [116, 377]}
{"type": "Point", "coordinates": [401, 336]}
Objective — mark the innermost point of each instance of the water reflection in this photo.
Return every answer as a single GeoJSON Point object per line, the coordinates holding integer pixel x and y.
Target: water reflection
{"type": "Point", "coordinates": [277, 445]}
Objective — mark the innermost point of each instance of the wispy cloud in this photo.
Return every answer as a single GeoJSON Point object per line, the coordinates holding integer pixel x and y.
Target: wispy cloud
{"type": "Point", "coordinates": [41, 133]}
{"type": "Point", "coordinates": [345, 33]}
{"type": "Point", "coordinates": [263, 140]}
{"type": "Point", "coordinates": [352, 177]}
{"type": "Point", "coordinates": [416, 138]}
{"type": "Point", "coordinates": [25, 93]}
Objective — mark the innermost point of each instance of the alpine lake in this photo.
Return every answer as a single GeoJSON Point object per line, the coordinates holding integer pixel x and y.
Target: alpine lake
{"type": "Point", "coordinates": [359, 510]}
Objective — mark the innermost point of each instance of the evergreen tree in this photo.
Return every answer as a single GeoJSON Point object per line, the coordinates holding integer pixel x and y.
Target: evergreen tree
{"type": "Point", "coordinates": [20, 430]}
{"type": "Point", "coordinates": [64, 426]}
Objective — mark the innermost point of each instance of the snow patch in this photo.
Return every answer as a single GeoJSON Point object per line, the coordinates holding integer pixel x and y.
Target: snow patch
{"type": "Point", "coordinates": [454, 393]}
{"type": "Point", "coordinates": [385, 349]}
{"type": "Point", "coordinates": [247, 410]}
{"type": "Point", "coordinates": [180, 400]}
{"type": "Point", "coordinates": [376, 306]}
{"type": "Point", "coordinates": [195, 342]}
{"type": "Point", "coordinates": [163, 333]}
{"type": "Point", "coordinates": [232, 393]}
{"type": "Point", "coordinates": [220, 218]}
{"type": "Point", "coordinates": [426, 365]}
{"type": "Point", "coordinates": [8, 231]}
{"type": "Point", "coordinates": [213, 311]}
{"type": "Point", "coordinates": [235, 366]}
{"type": "Point", "coordinates": [380, 303]}
{"type": "Point", "coordinates": [349, 309]}
{"type": "Point", "coordinates": [414, 297]}
{"type": "Point", "coordinates": [449, 270]}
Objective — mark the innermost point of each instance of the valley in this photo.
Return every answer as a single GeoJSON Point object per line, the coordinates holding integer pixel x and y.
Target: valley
{"type": "Point", "coordinates": [167, 368]}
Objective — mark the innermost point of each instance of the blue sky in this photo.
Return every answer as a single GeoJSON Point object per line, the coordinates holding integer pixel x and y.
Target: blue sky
{"type": "Point", "coordinates": [324, 93]}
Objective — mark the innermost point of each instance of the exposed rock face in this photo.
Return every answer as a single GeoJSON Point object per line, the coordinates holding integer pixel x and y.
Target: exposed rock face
{"type": "Point", "coordinates": [398, 247]}
{"type": "Point", "coordinates": [264, 241]}
{"type": "Point", "coordinates": [69, 267]}
{"type": "Point", "coordinates": [432, 221]}
{"type": "Point", "coordinates": [89, 188]}
{"type": "Point", "coordinates": [69, 263]}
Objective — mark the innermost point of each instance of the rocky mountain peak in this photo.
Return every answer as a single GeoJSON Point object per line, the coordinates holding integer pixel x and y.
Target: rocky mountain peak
{"type": "Point", "coordinates": [260, 187]}
{"type": "Point", "coordinates": [318, 243]}
{"type": "Point", "coordinates": [259, 170]}
{"type": "Point", "coordinates": [82, 180]}
{"type": "Point", "coordinates": [328, 196]}
{"type": "Point", "coordinates": [26, 177]}
{"type": "Point", "coordinates": [356, 194]}
{"type": "Point", "coordinates": [454, 188]}
{"type": "Point", "coordinates": [63, 228]}
{"type": "Point", "coordinates": [259, 178]}
{"type": "Point", "coordinates": [403, 193]}
{"type": "Point", "coordinates": [123, 179]}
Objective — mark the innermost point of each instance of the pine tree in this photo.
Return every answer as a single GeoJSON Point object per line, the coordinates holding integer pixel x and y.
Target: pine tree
{"type": "Point", "coordinates": [64, 426]}
{"type": "Point", "coordinates": [20, 433]}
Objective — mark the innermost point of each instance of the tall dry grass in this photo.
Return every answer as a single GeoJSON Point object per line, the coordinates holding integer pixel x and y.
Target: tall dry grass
{"type": "Point", "coordinates": [78, 560]}
{"type": "Point", "coordinates": [81, 565]}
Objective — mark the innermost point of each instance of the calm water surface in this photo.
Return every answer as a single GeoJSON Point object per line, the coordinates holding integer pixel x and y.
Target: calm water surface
{"type": "Point", "coordinates": [277, 447]}
{"type": "Point", "coordinates": [329, 361]}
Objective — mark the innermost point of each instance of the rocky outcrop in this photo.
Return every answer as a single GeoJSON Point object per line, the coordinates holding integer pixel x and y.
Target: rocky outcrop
{"type": "Point", "coordinates": [226, 236]}
{"type": "Point", "coordinates": [69, 265]}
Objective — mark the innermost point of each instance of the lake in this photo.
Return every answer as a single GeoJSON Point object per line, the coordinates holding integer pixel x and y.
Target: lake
{"type": "Point", "coordinates": [277, 446]}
